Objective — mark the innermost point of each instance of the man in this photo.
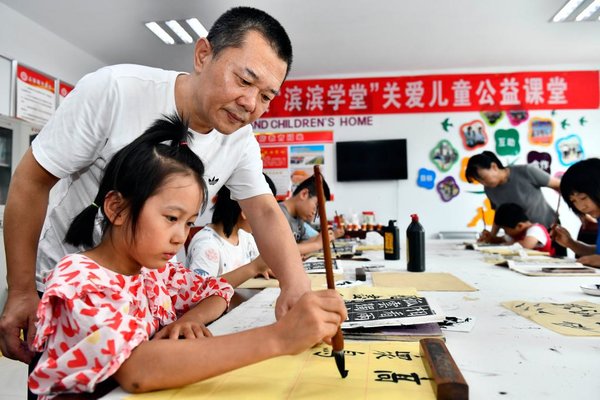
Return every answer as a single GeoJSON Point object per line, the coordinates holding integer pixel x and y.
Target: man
{"type": "Point", "coordinates": [238, 69]}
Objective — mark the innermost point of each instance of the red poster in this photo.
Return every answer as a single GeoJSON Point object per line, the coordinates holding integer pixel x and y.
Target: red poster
{"type": "Point", "coordinates": [35, 96]}
{"type": "Point", "coordinates": [438, 93]}
{"type": "Point", "coordinates": [274, 157]}
{"type": "Point", "coordinates": [266, 139]}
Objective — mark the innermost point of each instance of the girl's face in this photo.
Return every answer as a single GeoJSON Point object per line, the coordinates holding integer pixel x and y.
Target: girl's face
{"type": "Point", "coordinates": [165, 221]}
{"type": "Point", "coordinates": [490, 177]}
{"type": "Point", "coordinates": [585, 204]}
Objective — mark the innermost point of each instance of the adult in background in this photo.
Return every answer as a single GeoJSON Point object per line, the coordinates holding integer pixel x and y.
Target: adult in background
{"type": "Point", "coordinates": [519, 184]}
{"type": "Point", "coordinates": [238, 69]}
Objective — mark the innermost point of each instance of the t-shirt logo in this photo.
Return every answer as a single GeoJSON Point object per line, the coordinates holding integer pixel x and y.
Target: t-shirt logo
{"type": "Point", "coordinates": [213, 180]}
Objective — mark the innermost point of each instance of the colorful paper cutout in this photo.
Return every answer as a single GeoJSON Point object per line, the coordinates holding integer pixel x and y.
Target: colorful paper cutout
{"type": "Point", "coordinates": [473, 134]}
{"type": "Point", "coordinates": [541, 131]}
{"type": "Point", "coordinates": [443, 155]}
{"type": "Point", "coordinates": [570, 150]}
{"type": "Point", "coordinates": [448, 189]}
{"type": "Point", "coordinates": [542, 160]}
{"type": "Point", "coordinates": [485, 213]}
{"type": "Point", "coordinates": [507, 142]}
{"type": "Point", "coordinates": [446, 124]}
{"type": "Point", "coordinates": [426, 178]}
{"type": "Point", "coordinates": [492, 117]}
{"type": "Point", "coordinates": [463, 169]}
{"type": "Point", "coordinates": [516, 117]}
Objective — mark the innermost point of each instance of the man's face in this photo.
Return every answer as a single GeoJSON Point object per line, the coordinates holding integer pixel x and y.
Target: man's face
{"type": "Point", "coordinates": [235, 88]}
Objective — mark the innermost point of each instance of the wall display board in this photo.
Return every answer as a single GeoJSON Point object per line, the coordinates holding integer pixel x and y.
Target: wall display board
{"type": "Point", "coordinates": [63, 90]}
{"type": "Point", "coordinates": [35, 95]}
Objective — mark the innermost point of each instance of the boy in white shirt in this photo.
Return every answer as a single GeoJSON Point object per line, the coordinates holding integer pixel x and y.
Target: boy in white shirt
{"type": "Point", "coordinates": [519, 229]}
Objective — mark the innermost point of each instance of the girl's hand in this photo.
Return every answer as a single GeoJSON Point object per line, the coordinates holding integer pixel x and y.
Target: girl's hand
{"type": "Point", "coordinates": [314, 319]}
{"type": "Point", "coordinates": [261, 268]}
{"type": "Point", "coordinates": [183, 329]}
{"type": "Point", "coordinates": [560, 235]}
{"type": "Point", "coordinates": [592, 260]}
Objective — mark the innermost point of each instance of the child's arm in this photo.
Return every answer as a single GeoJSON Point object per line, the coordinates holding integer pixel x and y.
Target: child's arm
{"type": "Point", "coordinates": [528, 242]}
{"type": "Point", "coordinates": [192, 324]}
{"type": "Point", "coordinates": [592, 260]}
{"type": "Point", "coordinates": [162, 364]}
{"type": "Point", "coordinates": [245, 272]}
{"type": "Point", "coordinates": [563, 237]}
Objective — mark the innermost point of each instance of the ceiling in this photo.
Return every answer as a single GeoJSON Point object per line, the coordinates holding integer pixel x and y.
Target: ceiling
{"type": "Point", "coordinates": [340, 37]}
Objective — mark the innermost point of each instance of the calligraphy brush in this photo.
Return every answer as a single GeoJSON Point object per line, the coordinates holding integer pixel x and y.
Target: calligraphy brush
{"type": "Point", "coordinates": [483, 218]}
{"type": "Point", "coordinates": [556, 213]}
{"type": "Point", "coordinates": [338, 339]}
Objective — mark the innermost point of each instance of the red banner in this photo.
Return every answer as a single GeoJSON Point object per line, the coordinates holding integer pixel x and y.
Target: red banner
{"type": "Point", "coordinates": [438, 93]}
{"type": "Point", "coordinates": [265, 139]}
{"type": "Point", "coordinates": [64, 89]}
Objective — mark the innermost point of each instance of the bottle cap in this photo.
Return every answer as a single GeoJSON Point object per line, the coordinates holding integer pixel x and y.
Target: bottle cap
{"type": "Point", "coordinates": [392, 222]}
{"type": "Point", "coordinates": [415, 217]}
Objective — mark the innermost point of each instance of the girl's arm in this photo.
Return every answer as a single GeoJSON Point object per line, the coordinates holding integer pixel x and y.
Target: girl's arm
{"type": "Point", "coordinates": [245, 272]}
{"type": "Point", "coordinates": [162, 364]}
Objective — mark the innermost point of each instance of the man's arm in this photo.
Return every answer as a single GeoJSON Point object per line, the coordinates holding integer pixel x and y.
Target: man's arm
{"type": "Point", "coordinates": [278, 248]}
{"type": "Point", "coordinates": [23, 219]}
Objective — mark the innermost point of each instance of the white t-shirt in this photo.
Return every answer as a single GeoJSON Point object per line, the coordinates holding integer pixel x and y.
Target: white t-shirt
{"type": "Point", "coordinates": [537, 232]}
{"type": "Point", "coordinates": [210, 254]}
{"type": "Point", "coordinates": [107, 110]}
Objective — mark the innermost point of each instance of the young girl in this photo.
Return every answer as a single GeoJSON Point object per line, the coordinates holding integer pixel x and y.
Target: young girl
{"type": "Point", "coordinates": [226, 247]}
{"type": "Point", "coordinates": [102, 306]}
{"type": "Point", "coordinates": [580, 187]}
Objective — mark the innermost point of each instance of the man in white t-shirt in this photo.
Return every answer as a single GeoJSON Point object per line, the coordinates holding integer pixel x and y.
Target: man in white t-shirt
{"type": "Point", "coordinates": [238, 69]}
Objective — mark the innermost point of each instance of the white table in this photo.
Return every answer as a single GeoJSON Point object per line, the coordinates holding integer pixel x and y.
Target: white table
{"type": "Point", "coordinates": [505, 356]}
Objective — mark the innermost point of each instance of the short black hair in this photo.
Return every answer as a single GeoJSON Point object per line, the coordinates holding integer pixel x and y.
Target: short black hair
{"type": "Point", "coordinates": [137, 172]}
{"type": "Point", "coordinates": [483, 160]}
{"type": "Point", "coordinates": [509, 215]}
{"type": "Point", "coordinates": [311, 184]}
{"type": "Point", "coordinates": [582, 177]}
{"type": "Point", "coordinates": [231, 28]}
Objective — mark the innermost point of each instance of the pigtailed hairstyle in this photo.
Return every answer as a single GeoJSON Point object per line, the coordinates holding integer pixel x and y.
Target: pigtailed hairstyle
{"type": "Point", "coordinates": [230, 30]}
{"type": "Point", "coordinates": [311, 185]}
{"type": "Point", "coordinates": [137, 172]}
{"type": "Point", "coordinates": [581, 177]}
{"type": "Point", "coordinates": [483, 160]}
{"type": "Point", "coordinates": [509, 215]}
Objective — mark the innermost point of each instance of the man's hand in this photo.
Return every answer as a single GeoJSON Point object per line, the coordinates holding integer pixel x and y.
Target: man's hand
{"type": "Point", "coordinates": [19, 313]}
{"type": "Point", "coordinates": [289, 297]}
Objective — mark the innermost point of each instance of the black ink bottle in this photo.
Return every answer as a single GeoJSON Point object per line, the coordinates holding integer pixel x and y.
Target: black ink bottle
{"type": "Point", "coordinates": [415, 246]}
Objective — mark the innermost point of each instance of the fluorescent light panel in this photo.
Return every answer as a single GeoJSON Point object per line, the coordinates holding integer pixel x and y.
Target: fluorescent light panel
{"type": "Point", "coordinates": [178, 32]}
{"type": "Point", "coordinates": [197, 27]}
{"type": "Point", "coordinates": [160, 32]}
{"type": "Point", "coordinates": [577, 11]}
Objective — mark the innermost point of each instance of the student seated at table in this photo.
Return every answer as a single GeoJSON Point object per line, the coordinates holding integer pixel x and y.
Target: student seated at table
{"type": "Point", "coordinates": [519, 229]}
{"type": "Point", "coordinates": [226, 247]}
{"type": "Point", "coordinates": [580, 187]}
{"type": "Point", "coordinates": [102, 306]}
{"type": "Point", "coordinates": [301, 208]}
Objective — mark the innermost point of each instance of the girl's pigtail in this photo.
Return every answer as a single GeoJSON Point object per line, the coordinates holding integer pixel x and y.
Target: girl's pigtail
{"type": "Point", "coordinates": [81, 231]}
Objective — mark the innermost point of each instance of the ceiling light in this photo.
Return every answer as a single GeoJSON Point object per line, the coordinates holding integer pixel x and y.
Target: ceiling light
{"type": "Point", "coordinates": [179, 31]}
{"type": "Point", "coordinates": [197, 27]}
{"type": "Point", "coordinates": [160, 32]}
{"type": "Point", "coordinates": [588, 11]}
{"type": "Point", "coordinates": [566, 10]}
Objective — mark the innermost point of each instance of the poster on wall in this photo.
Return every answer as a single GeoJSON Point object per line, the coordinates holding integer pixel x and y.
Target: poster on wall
{"type": "Point", "coordinates": [36, 100]}
{"type": "Point", "coordinates": [63, 90]}
{"type": "Point", "coordinates": [289, 158]}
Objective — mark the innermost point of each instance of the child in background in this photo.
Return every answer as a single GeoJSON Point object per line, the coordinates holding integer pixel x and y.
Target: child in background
{"type": "Point", "coordinates": [102, 306]}
{"type": "Point", "coordinates": [580, 187]}
{"type": "Point", "coordinates": [519, 229]}
{"type": "Point", "coordinates": [301, 208]}
{"type": "Point", "coordinates": [226, 247]}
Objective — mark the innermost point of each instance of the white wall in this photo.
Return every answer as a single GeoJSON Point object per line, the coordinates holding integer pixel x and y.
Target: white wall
{"type": "Point", "coordinates": [27, 42]}
{"type": "Point", "coordinates": [398, 199]}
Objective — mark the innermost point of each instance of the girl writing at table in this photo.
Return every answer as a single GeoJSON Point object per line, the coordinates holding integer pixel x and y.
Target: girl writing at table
{"type": "Point", "coordinates": [580, 187]}
{"type": "Point", "coordinates": [123, 310]}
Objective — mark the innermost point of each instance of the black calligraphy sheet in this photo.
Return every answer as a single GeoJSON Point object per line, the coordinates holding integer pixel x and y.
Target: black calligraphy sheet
{"type": "Point", "coordinates": [400, 310]}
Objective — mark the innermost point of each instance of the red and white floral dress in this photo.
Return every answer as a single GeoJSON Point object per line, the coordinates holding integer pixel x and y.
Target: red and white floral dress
{"type": "Point", "coordinates": [91, 318]}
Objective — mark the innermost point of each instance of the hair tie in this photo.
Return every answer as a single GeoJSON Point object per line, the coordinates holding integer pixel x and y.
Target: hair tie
{"type": "Point", "coordinates": [95, 205]}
